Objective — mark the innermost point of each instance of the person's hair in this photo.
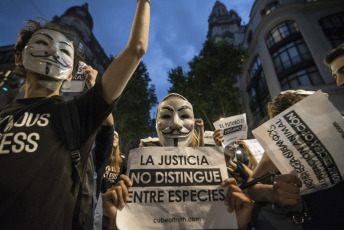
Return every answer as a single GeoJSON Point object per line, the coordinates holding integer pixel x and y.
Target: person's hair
{"type": "Point", "coordinates": [333, 54]}
{"type": "Point", "coordinates": [31, 26]}
{"type": "Point", "coordinates": [195, 141]}
{"type": "Point", "coordinates": [115, 158]}
{"type": "Point", "coordinates": [284, 100]}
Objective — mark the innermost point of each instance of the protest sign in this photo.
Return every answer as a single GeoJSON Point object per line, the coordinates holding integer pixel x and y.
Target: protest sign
{"type": "Point", "coordinates": [255, 148]}
{"type": "Point", "coordinates": [176, 188]}
{"type": "Point", "coordinates": [208, 138]}
{"type": "Point", "coordinates": [308, 138]}
{"type": "Point", "coordinates": [77, 84]}
{"type": "Point", "coordinates": [233, 128]}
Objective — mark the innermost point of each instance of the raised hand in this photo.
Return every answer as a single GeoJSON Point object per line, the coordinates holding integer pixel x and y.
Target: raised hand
{"type": "Point", "coordinates": [90, 76]}
{"type": "Point", "coordinates": [218, 137]}
{"type": "Point", "coordinates": [115, 197]}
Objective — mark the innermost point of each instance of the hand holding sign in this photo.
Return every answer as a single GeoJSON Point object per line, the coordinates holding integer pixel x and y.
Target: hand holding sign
{"type": "Point", "coordinates": [286, 189]}
{"type": "Point", "coordinates": [115, 197]}
{"type": "Point", "coordinates": [234, 128]}
{"type": "Point", "coordinates": [218, 137]}
{"type": "Point", "coordinates": [306, 137]}
{"type": "Point", "coordinates": [238, 201]}
{"type": "Point", "coordinates": [90, 75]}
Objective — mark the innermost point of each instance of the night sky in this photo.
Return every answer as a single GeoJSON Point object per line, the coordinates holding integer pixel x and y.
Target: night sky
{"type": "Point", "coordinates": [177, 32]}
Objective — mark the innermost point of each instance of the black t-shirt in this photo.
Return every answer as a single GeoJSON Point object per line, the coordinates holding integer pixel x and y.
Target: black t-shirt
{"type": "Point", "coordinates": [111, 176]}
{"type": "Point", "coordinates": [35, 165]}
{"type": "Point", "coordinates": [325, 208]}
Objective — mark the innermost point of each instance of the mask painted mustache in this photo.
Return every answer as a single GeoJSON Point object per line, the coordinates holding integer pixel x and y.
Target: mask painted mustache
{"type": "Point", "coordinates": [175, 132]}
{"type": "Point", "coordinates": [46, 57]}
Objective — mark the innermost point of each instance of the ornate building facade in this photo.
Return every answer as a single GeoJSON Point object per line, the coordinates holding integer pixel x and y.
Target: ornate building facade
{"type": "Point", "coordinates": [286, 41]}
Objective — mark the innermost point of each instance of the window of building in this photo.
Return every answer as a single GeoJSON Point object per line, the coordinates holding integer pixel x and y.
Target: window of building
{"type": "Point", "coordinates": [308, 76]}
{"type": "Point", "coordinates": [269, 8]}
{"type": "Point", "coordinates": [290, 55]}
{"type": "Point", "coordinates": [249, 37]}
{"type": "Point", "coordinates": [293, 62]}
{"type": "Point", "coordinates": [258, 92]}
{"type": "Point", "coordinates": [333, 27]}
{"type": "Point", "coordinates": [255, 67]}
{"type": "Point", "coordinates": [281, 32]}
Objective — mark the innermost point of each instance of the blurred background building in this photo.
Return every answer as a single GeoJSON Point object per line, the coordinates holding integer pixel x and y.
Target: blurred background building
{"type": "Point", "coordinates": [286, 41]}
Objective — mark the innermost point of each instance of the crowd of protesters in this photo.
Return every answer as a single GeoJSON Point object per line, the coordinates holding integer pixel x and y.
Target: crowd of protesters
{"type": "Point", "coordinates": [38, 167]}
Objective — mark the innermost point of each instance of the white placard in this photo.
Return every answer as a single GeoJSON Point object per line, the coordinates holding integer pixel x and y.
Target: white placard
{"type": "Point", "coordinates": [176, 188]}
{"type": "Point", "coordinates": [255, 148]}
{"type": "Point", "coordinates": [77, 84]}
{"type": "Point", "coordinates": [308, 138]}
{"type": "Point", "coordinates": [233, 128]}
{"type": "Point", "coordinates": [208, 138]}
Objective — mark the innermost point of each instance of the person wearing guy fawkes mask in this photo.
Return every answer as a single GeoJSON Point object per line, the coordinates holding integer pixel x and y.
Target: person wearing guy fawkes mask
{"type": "Point", "coordinates": [175, 127]}
{"type": "Point", "coordinates": [35, 165]}
{"type": "Point", "coordinates": [175, 121]}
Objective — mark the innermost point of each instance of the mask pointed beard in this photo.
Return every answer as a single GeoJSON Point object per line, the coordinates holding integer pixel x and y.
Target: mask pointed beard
{"type": "Point", "coordinates": [47, 68]}
{"type": "Point", "coordinates": [175, 142]}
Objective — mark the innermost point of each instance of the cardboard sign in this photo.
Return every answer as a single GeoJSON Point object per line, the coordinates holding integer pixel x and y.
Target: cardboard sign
{"type": "Point", "coordinates": [308, 138]}
{"type": "Point", "coordinates": [176, 188]}
{"type": "Point", "coordinates": [233, 128]}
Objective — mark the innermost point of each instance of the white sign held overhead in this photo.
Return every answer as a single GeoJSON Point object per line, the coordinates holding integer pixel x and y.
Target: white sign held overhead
{"type": "Point", "coordinates": [176, 188]}
{"type": "Point", "coordinates": [233, 128]}
{"type": "Point", "coordinates": [308, 138]}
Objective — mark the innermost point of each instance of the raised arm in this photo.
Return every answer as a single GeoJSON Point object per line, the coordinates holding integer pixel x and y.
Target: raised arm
{"type": "Point", "coordinates": [123, 66]}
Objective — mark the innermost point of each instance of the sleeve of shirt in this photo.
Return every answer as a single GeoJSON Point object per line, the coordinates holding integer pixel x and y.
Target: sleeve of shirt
{"type": "Point", "coordinates": [93, 110]}
{"type": "Point", "coordinates": [103, 147]}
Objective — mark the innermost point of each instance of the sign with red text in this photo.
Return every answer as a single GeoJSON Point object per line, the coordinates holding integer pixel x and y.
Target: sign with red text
{"type": "Point", "coordinates": [176, 188]}
{"type": "Point", "coordinates": [308, 138]}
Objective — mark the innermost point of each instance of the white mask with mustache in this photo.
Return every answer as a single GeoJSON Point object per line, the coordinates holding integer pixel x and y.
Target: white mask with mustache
{"type": "Point", "coordinates": [49, 53]}
{"type": "Point", "coordinates": [175, 121]}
